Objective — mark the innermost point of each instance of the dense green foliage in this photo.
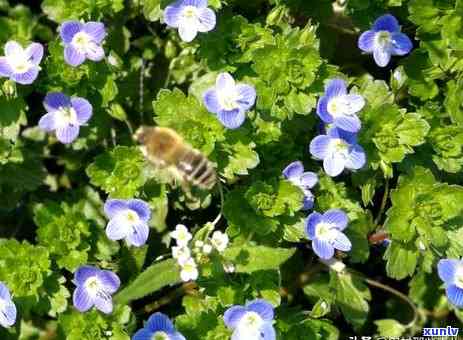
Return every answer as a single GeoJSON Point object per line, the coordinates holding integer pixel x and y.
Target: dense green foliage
{"type": "Point", "coordinates": [52, 195]}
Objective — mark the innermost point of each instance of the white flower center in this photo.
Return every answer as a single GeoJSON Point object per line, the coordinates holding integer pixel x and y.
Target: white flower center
{"type": "Point", "coordinates": [325, 231]}
{"type": "Point", "coordinates": [339, 106]}
{"type": "Point", "coordinates": [160, 335]}
{"type": "Point", "coordinates": [250, 325]}
{"type": "Point", "coordinates": [459, 276]}
{"type": "Point", "coordinates": [93, 286]}
{"type": "Point", "coordinates": [82, 42]}
{"type": "Point", "coordinates": [190, 13]}
{"type": "Point", "coordinates": [19, 62]}
{"type": "Point", "coordinates": [383, 39]}
{"type": "Point", "coordinates": [66, 116]}
{"type": "Point", "coordinates": [339, 147]}
{"type": "Point", "coordinates": [228, 99]}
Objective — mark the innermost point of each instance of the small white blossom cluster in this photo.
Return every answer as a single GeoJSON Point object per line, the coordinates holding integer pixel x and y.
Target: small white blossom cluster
{"type": "Point", "coordinates": [186, 257]}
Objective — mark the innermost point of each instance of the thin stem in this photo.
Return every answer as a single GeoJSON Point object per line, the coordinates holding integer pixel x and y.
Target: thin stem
{"type": "Point", "coordinates": [383, 202]}
{"type": "Point", "coordinates": [186, 288]}
{"type": "Point", "coordinates": [217, 219]}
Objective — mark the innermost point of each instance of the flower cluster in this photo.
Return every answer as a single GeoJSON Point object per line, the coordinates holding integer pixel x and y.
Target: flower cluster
{"type": "Point", "coordinates": [254, 321]}
{"type": "Point", "coordinates": [294, 173]}
{"type": "Point", "coordinates": [186, 257]}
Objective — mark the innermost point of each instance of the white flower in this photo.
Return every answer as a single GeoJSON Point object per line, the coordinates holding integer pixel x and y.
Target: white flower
{"type": "Point", "coordinates": [334, 264]}
{"type": "Point", "coordinates": [189, 270]}
{"type": "Point", "coordinates": [181, 235]}
{"type": "Point", "coordinates": [229, 267]}
{"type": "Point", "coordinates": [207, 249]}
{"type": "Point", "coordinates": [181, 254]}
{"type": "Point", "coordinates": [219, 240]}
{"type": "Point", "coordinates": [199, 244]}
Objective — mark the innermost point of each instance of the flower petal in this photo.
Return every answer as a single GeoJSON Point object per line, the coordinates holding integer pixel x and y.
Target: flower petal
{"type": "Point", "coordinates": [68, 29]}
{"type": "Point", "coordinates": [311, 223]}
{"type": "Point", "coordinates": [386, 22]}
{"type": "Point", "coordinates": [104, 303]}
{"type": "Point", "coordinates": [207, 20]}
{"type": "Point", "coordinates": [267, 331]}
{"type": "Point", "coordinates": [8, 315]}
{"type": "Point", "coordinates": [246, 96]}
{"type": "Point", "coordinates": [319, 146]}
{"type": "Point", "coordinates": [446, 269]}
{"type": "Point", "coordinates": [110, 280]}
{"type": "Point", "coordinates": [117, 229]}
{"type": "Point", "coordinates": [366, 41]}
{"type": "Point", "coordinates": [334, 164]}
{"type": "Point", "coordinates": [308, 179]}
{"type": "Point", "coordinates": [322, 110]}
{"type": "Point", "coordinates": [143, 334]}
{"type": "Point", "coordinates": [357, 158]}
{"type": "Point", "coordinates": [232, 119]}
{"type": "Point", "coordinates": [35, 53]}
{"type": "Point", "coordinates": [81, 299]}
{"type": "Point", "coordinates": [323, 249]}
{"type": "Point", "coordinates": [224, 82]}
{"type": "Point", "coordinates": [26, 78]}
{"type": "Point", "coordinates": [95, 52]}
{"type": "Point", "coordinates": [341, 242]}
{"type": "Point", "coordinates": [72, 56]}
{"type": "Point", "coordinates": [195, 3]}
{"type": "Point", "coordinates": [48, 122]}
{"type": "Point", "coordinates": [335, 88]}
{"type": "Point", "coordinates": [348, 123]}
{"type": "Point", "coordinates": [67, 134]}
{"type": "Point", "coordinates": [293, 170]}
{"type": "Point", "coordinates": [187, 31]}
{"type": "Point", "coordinates": [5, 68]}
{"type": "Point", "coordinates": [141, 208]}
{"type": "Point", "coordinates": [13, 48]}
{"type": "Point", "coordinates": [261, 307]}
{"type": "Point", "coordinates": [233, 315]}
{"type": "Point", "coordinates": [114, 206]}
{"type": "Point", "coordinates": [4, 292]}
{"type": "Point", "coordinates": [83, 108]}
{"type": "Point", "coordinates": [308, 201]}
{"type": "Point", "coordinates": [160, 322]}
{"type": "Point", "coordinates": [138, 235]}
{"type": "Point", "coordinates": [337, 217]}
{"type": "Point", "coordinates": [211, 101]}
{"type": "Point", "coordinates": [176, 336]}
{"type": "Point", "coordinates": [56, 100]}
{"type": "Point", "coordinates": [382, 56]}
{"type": "Point", "coordinates": [173, 15]}
{"type": "Point", "coordinates": [455, 295]}
{"type": "Point", "coordinates": [401, 44]}
{"type": "Point", "coordinates": [96, 30]}
{"type": "Point", "coordinates": [83, 273]}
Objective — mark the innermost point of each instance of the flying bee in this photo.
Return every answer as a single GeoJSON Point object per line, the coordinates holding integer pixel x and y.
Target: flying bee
{"type": "Point", "coordinates": [166, 149]}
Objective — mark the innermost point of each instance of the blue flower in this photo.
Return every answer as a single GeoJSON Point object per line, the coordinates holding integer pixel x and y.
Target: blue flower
{"type": "Point", "coordinates": [252, 321]}
{"type": "Point", "coordinates": [19, 64]}
{"type": "Point", "coordinates": [229, 101]}
{"type": "Point", "coordinates": [384, 40]}
{"type": "Point", "coordinates": [7, 307]}
{"type": "Point", "coordinates": [82, 41]}
{"type": "Point", "coordinates": [339, 108]}
{"type": "Point", "coordinates": [294, 172]}
{"type": "Point", "coordinates": [451, 272]}
{"type": "Point", "coordinates": [190, 17]}
{"type": "Point", "coordinates": [325, 232]}
{"type": "Point", "coordinates": [65, 115]}
{"type": "Point", "coordinates": [338, 149]}
{"type": "Point", "coordinates": [129, 220]}
{"type": "Point", "coordinates": [158, 327]}
{"type": "Point", "coordinates": [94, 287]}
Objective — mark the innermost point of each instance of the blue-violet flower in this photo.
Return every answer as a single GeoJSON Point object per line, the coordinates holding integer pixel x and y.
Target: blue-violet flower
{"type": "Point", "coordinates": [252, 321]}
{"type": "Point", "coordinates": [294, 173]}
{"type": "Point", "coordinates": [339, 108]}
{"type": "Point", "coordinates": [451, 272]}
{"type": "Point", "coordinates": [128, 219]}
{"type": "Point", "coordinates": [325, 232]}
{"type": "Point", "coordinates": [65, 115]}
{"type": "Point", "coordinates": [385, 40]}
{"type": "Point", "coordinates": [338, 149]}
{"type": "Point", "coordinates": [19, 64]}
{"type": "Point", "coordinates": [82, 41]}
{"type": "Point", "coordinates": [190, 17]}
{"type": "Point", "coordinates": [7, 307]}
{"type": "Point", "coordinates": [158, 327]}
{"type": "Point", "coordinates": [94, 287]}
{"type": "Point", "coordinates": [229, 101]}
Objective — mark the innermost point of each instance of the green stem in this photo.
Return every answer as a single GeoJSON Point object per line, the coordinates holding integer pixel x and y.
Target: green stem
{"type": "Point", "coordinates": [383, 202]}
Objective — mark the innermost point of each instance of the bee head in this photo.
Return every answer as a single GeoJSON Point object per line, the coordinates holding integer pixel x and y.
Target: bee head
{"type": "Point", "coordinates": [141, 135]}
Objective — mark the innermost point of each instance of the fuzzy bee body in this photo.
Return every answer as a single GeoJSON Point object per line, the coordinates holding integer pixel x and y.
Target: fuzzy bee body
{"type": "Point", "coordinates": [166, 149]}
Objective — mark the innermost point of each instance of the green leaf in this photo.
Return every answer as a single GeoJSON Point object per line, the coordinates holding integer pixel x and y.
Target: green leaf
{"type": "Point", "coordinates": [401, 260]}
{"type": "Point", "coordinates": [390, 328]}
{"type": "Point", "coordinates": [248, 258]}
{"type": "Point", "coordinates": [154, 278]}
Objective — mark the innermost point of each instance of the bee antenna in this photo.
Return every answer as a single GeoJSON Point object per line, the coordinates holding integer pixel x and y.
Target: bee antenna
{"type": "Point", "coordinates": [219, 216]}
